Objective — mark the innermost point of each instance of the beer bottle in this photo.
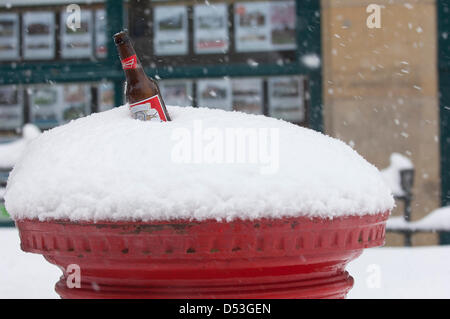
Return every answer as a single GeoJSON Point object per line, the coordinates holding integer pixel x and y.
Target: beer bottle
{"type": "Point", "coordinates": [142, 93]}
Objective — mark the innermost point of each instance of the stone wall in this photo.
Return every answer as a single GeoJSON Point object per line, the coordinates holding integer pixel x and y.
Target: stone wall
{"type": "Point", "coordinates": [380, 90]}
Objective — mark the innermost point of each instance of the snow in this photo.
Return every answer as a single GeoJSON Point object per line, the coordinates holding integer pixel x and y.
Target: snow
{"type": "Point", "coordinates": [108, 166]}
{"type": "Point", "coordinates": [11, 152]}
{"type": "Point", "coordinates": [403, 273]}
{"type": "Point", "coordinates": [391, 174]}
{"type": "Point", "coordinates": [397, 222]}
{"type": "Point", "coordinates": [437, 220]}
{"type": "Point", "coordinates": [24, 275]}
{"type": "Point", "coordinates": [379, 273]}
{"type": "Point", "coordinates": [311, 60]}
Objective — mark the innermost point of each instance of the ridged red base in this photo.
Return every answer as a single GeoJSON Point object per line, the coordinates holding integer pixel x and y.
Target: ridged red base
{"type": "Point", "coordinates": [281, 258]}
{"type": "Point", "coordinates": [335, 287]}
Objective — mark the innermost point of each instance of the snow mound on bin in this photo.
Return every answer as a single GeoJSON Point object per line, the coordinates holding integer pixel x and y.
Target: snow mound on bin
{"type": "Point", "coordinates": [108, 166]}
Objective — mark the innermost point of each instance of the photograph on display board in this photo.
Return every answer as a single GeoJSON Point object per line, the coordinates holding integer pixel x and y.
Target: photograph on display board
{"type": "Point", "coordinates": [286, 98]}
{"type": "Point", "coordinates": [45, 105]}
{"type": "Point", "coordinates": [100, 33]}
{"type": "Point", "coordinates": [214, 93]}
{"type": "Point", "coordinates": [76, 102]}
{"type": "Point", "coordinates": [248, 95]}
{"type": "Point", "coordinates": [265, 26]}
{"type": "Point", "coordinates": [9, 36]}
{"type": "Point", "coordinates": [11, 107]}
{"type": "Point", "coordinates": [38, 35]}
{"type": "Point", "coordinates": [282, 23]}
{"type": "Point", "coordinates": [105, 96]}
{"type": "Point", "coordinates": [176, 92]}
{"type": "Point", "coordinates": [211, 28]}
{"type": "Point", "coordinates": [252, 26]}
{"type": "Point", "coordinates": [77, 42]}
{"type": "Point", "coordinates": [170, 30]}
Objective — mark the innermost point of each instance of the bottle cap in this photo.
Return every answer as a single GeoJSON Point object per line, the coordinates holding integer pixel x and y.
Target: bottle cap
{"type": "Point", "coordinates": [121, 37]}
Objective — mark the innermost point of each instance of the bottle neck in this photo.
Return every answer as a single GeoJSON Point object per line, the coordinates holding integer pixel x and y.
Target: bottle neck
{"type": "Point", "coordinates": [130, 62]}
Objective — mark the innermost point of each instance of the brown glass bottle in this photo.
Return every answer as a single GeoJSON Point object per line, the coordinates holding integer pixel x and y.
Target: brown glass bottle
{"type": "Point", "coordinates": [142, 93]}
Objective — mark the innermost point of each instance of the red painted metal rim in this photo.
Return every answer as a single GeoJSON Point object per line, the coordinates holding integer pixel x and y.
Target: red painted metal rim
{"type": "Point", "coordinates": [295, 257]}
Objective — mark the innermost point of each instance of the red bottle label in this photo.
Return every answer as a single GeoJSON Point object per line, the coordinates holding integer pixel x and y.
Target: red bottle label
{"type": "Point", "coordinates": [130, 62]}
{"type": "Point", "coordinates": [155, 104]}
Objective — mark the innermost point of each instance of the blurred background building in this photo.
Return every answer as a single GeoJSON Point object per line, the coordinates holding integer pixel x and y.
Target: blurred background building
{"type": "Point", "coordinates": [314, 63]}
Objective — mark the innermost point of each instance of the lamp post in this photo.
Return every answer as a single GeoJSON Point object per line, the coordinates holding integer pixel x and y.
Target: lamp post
{"type": "Point", "coordinates": [406, 183]}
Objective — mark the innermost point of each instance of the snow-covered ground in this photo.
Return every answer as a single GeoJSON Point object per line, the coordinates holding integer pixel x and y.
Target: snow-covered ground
{"type": "Point", "coordinates": [379, 272]}
{"type": "Point", "coordinates": [24, 275]}
{"type": "Point", "coordinates": [422, 272]}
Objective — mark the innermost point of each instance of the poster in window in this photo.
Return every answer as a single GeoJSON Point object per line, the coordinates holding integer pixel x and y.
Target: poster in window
{"type": "Point", "coordinates": [211, 28]}
{"type": "Point", "coordinates": [177, 92]}
{"type": "Point", "coordinates": [38, 35]}
{"type": "Point", "coordinates": [45, 105]}
{"type": "Point", "coordinates": [77, 42]}
{"type": "Point", "coordinates": [214, 93]}
{"type": "Point", "coordinates": [105, 95]}
{"type": "Point", "coordinates": [286, 98]}
{"type": "Point", "coordinates": [76, 102]}
{"type": "Point", "coordinates": [265, 26]}
{"type": "Point", "coordinates": [170, 30]}
{"type": "Point", "coordinates": [252, 26]}
{"type": "Point", "coordinates": [282, 23]}
{"type": "Point", "coordinates": [9, 36]}
{"type": "Point", "coordinates": [100, 33]}
{"type": "Point", "coordinates": [248, 95]}
{"type": "Point", "coordinates": [11, 107]}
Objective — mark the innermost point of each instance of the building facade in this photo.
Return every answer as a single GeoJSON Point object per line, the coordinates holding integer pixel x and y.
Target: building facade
{"type": "Point", "coordinates": [315, 63]}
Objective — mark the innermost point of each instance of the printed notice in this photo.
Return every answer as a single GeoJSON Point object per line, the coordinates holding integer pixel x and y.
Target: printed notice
{"type": "Point", "coordinates": [265, 26]}
{"type": "Point", "coordinates": [100, 33]}
{"type": "Point", "coordinates": [105, 96]}
{"type": "Point", "coordinates": [11, 107]}
{"type": "Point", "coordinates": [211, 28]}
{"type": "Point", "coordinates": [77, 42]}
{"type": "Point", "coordinates": [76, 101]}
{"type": "Point", "coordinates": [176, 92]}
{"type": "Point", "coordinates": [170, 30]}
{"type": "Point", "coordinates": [9, 36]}
{"type": "Point", "coordinates": [248, 95]}
{"type": "Point", "coordinates": [282, 23]}
{"type": "Point", "coordinates": [286, 98]}
{"type": "Point", "coordinates": [214, 93]}
{"type": "Point", "coordinates": [252, 26]}
{"type": "Point", "coordinates": [38, 35]}
{"type": "Point", "coordinates": [45, 104]}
